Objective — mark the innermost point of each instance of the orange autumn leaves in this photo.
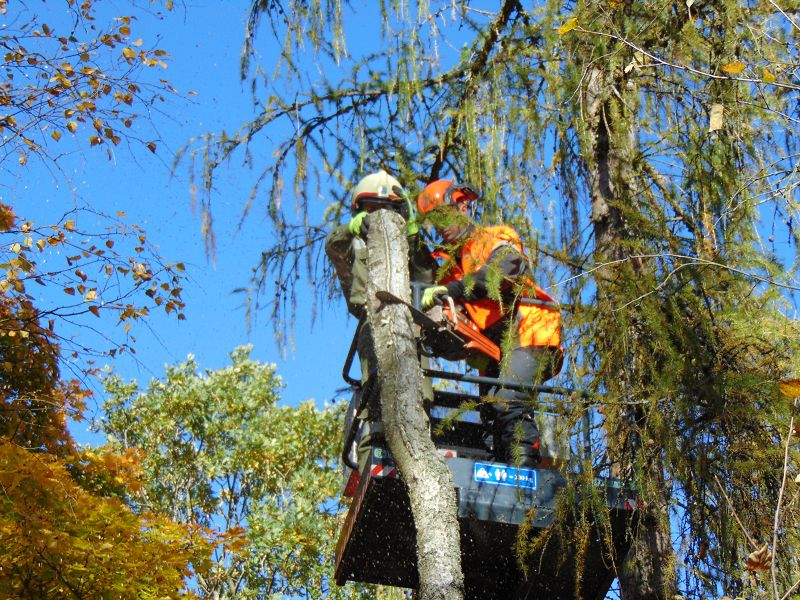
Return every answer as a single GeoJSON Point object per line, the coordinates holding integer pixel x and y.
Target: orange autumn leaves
{"type": "Point", "coordinates": [58, 539]}
{"type": "Point", "coordinates": [63, 526]}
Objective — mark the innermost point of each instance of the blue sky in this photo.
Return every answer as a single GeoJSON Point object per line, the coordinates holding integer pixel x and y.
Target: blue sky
{"type": "Point", "coordinates": [204, 42]}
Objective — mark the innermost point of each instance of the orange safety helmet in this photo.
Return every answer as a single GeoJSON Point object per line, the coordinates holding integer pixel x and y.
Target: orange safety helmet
{"type": "Point", "coordinates": [444, 192]}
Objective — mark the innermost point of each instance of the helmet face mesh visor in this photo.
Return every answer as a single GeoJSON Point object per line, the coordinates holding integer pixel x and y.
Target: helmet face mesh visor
{"type": "Point", "coordinates": [372, 203]}
{"type": "Point", "coordinates": [461, 192]}
{"type": "Point", "coordinates": [446, 193]}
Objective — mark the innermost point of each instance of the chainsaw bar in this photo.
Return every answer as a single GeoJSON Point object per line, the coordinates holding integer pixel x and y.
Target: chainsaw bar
{"type": "Point", "coordinates": [420, 318]}
{"type": "Point", "coordinates": [441, 335]}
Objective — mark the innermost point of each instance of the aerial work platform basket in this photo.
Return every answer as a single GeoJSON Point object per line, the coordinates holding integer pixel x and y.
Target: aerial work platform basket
{"type": "Point", "coordinates": [377, 543]}
{"type": "Point", "coordinates": [378, 540]}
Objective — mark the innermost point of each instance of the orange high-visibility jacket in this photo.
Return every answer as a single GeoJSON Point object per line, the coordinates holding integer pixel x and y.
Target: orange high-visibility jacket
{"type": "Point", "coordinates": [536, 325]}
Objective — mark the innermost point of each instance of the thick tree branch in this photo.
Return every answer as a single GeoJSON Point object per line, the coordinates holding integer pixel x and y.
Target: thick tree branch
{"type": "Point", "coordinates": [430, 484]}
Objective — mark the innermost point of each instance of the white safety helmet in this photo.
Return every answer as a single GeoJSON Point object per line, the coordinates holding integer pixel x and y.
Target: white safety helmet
{"type": "Point", "coordinates": [377, 186]}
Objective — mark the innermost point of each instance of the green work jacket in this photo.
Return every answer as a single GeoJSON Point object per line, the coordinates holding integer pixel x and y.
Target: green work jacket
{"type": "Point", "coordinates": [348, 254]}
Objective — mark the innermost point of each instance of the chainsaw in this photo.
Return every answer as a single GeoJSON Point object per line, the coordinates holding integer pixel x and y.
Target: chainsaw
{"type": "Point", "coordinates": [447, 332]}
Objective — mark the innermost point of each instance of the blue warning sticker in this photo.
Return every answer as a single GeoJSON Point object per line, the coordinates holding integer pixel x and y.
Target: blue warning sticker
{"type": "Point", "coordinates": [495, 474]}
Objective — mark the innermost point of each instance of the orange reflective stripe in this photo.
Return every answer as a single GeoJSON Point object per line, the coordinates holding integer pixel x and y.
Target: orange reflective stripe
{"type": "Point", "coordinates": [539, 326]}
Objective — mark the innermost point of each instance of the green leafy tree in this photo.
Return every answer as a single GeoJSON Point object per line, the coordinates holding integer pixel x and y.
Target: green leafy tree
{"type": "Point", "coordinates": [647, 152]}
{"type": "Point", "coordinates": [221, 453]}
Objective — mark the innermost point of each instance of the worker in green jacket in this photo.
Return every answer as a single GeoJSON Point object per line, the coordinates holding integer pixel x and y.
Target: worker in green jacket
{"type": "Point", "coordinates": [346, 248]}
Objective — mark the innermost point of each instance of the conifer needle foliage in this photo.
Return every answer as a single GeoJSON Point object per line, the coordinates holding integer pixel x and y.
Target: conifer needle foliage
{"type": "Point", "coordinates": [646, 151]}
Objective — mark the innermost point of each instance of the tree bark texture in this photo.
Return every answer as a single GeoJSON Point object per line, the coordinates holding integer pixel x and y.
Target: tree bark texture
{"type": "Point", "coordinates": [647, 572]}
{"type": "Point", "coordinates": [430, 484]}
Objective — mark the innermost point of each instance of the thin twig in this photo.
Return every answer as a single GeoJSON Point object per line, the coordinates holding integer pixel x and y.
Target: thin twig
{"type": "Point", "coordinates": [791, 590]}
{"type": "Point", "coordinates": [778, 508]}
{"type": "Point", "coordinates": [735, 516]}
{"type": "Point", "coordinates": [784, 14]}
{"type": "Point", "coordinates": [692, 260]}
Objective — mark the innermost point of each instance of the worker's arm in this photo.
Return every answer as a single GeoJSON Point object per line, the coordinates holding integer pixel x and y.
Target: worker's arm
{"type": "Point", "coordinates": [508, 264]}
{"type": "Point", "coordinates": [348, 257]}
{"type": "Point", "coordinates": [422, 264]}
{"type": "Point", "coordinates": [338, 248]}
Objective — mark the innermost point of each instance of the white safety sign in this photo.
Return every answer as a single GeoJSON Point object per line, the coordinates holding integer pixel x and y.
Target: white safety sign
{"type": "Point", "coordinates": [504, 475]}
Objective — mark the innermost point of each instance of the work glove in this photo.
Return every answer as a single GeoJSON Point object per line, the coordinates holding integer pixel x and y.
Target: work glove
{"type": "Point", "coordinates": [412, 227]}
{"type": "Point", "coordinates": [431, 295]}
{"type": "Point", "coordinates": [356, 224]}
{"type": "Point", "coordinates": [358, 227]}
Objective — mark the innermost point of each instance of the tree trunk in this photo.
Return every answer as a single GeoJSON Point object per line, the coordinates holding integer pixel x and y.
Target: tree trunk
{"type": "Point", "coordinates": [647, 572]}
{"type": "Point", "coordinates": [430, 484]}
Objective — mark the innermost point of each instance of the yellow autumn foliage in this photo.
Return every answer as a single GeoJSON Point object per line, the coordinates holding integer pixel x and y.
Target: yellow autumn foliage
{"type": "Point", "coordinates": [59, 541]}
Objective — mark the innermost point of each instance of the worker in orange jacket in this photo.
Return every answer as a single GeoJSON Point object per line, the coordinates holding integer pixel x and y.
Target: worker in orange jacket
{"type": "Point", "coordinates": [489, 274]}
